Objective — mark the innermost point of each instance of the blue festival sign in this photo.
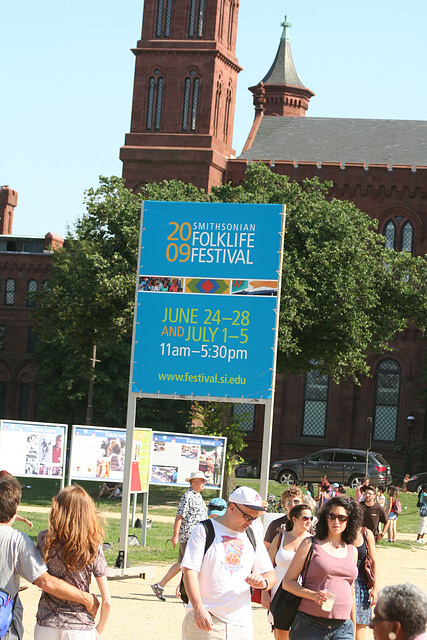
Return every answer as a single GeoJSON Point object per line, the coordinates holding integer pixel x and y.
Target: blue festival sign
{"type": "Point", "coordinates": [207, 300]}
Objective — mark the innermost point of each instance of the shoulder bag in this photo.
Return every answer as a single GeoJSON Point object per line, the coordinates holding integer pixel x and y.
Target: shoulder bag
{"type": "Point", "coordinates": [368, 570]}
{"type": "Point", "coordinates": [284, 605]}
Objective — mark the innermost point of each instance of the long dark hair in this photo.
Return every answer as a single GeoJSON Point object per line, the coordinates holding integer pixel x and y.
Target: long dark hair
{"type": "Point", "coordinates": [354, 522]}
{"type": "Point", "coordinates": [295, 512]}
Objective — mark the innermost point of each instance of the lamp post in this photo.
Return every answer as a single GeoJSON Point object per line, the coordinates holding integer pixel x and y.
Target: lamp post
{"type": "Point", "coordinates": [410, 422]}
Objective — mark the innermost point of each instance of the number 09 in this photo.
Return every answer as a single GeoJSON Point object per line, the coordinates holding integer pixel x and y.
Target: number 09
{"type": "Point", "coordinates": [173, 252]}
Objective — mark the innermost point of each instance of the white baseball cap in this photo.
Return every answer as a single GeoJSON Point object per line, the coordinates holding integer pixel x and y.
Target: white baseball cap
{"type": "Point", "coordinates": [247, 497]}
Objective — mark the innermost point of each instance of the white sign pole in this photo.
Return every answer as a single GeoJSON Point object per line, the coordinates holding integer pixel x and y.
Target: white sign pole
{"type": "Point", "coordinates": [269, 405]}
{"type": "Point", "coordinates": [124, 521]}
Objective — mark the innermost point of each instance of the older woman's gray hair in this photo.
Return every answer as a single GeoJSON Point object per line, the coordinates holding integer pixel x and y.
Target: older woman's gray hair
{"type": "Point", "coordinates": [404, 603]}
{"type": "Point", "coordinates": [309, 501]}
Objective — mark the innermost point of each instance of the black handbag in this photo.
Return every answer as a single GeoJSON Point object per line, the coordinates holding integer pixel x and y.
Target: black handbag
{"type": "Point", "coordinates": [284, 605]}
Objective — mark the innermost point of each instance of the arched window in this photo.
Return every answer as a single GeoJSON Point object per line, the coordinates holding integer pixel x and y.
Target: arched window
{"type": "Point", "coordinates": [216, 108]}
{"type": "Point", "coordinates": [315, 404]}
{"type": "Point", "coordinates": [9, 293]}
{"type": "Point", "coordinates": [191, 102]}
{"type": "Point", "coordinates": [230, 24]}
{"type": "Point", "coordinates": [387, 392]}
{"type": "Point", "coordinates": [164, 18]}
{"type": "Point", "coordinates": [154, 101]}
{"type": "Point", "coordinates": [31, 290]}
{"type": "Point", "coordinates": [197, 18]}
{"type": "Point", "coordinates": [407, 237]}
{"type": "Point", "coordinates": [399, 234]}
{"type": "Point", "coordinates": [227, 112]}
{"type": "Point", "coordinates": [390, 234]}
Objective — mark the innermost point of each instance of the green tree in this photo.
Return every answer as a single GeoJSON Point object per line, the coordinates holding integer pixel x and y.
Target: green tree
{"type": "Point", "coordinates": [343, 292]}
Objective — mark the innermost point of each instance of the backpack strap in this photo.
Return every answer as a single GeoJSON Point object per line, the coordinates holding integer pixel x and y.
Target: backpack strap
{"type": "Point", "coordinates": [251, 536]}
{"type": "Point", "coordinates": [210, 534]}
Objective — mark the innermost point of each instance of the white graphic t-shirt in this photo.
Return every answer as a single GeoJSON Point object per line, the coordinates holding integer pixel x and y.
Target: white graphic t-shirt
{"type": "Point", "coordinates": [222, 571]}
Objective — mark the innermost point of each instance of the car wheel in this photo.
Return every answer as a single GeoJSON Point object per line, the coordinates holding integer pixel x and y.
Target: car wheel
{"type": "Point", "coordinates": [355, 481]}
{"type": "Point", "coordinates": [287, 477]}
{"type": "Point", "coordinates": [419, 487]}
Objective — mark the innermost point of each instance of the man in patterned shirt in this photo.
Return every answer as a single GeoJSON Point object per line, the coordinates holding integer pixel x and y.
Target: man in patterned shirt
{"type": "Point", "coordinates": [191, 511]}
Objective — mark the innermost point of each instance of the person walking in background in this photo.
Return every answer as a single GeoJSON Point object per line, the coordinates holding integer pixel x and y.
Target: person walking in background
{"type": "Point", "coordinates": [380, 498]}
{"type": "Point", "coordinates": [218, 580]}
{"type": "Point", "coordinates": [20, 557]}
{"type": "Point", "coordinates": [374, 515]}
{"type": "Point", "coordinates": [400, 613]}
{"type": "Point", "coordinates": [393, 510]}
{"type": "Point", "coordinates": [282, 551]}
{"type": "Point", "coordinates": [360, 490]}
{"type": "Point", "coordinates": [290, 498]}
{"type": "Point", "coordinates": [326, 611]}
{"type": "Point", "coordinates": [365, 597]}
{"type": "Point", "coordinates": [191, 511]}
{"type": "Point", "coordinates": [72, 549]}
{"type": "Point", "coordinates": [422, 510]}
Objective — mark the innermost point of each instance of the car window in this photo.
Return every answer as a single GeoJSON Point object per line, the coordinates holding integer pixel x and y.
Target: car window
{"type": "Point", "coordinates": [323, 456]}
{"type": "Point", "coordinates": [380, 459]}
{"type": "Point", "coordinates": [348, 456]}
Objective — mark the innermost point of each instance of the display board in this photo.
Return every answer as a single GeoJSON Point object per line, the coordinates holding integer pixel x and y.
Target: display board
{"type": "Point", "coordinates": [207, 300]}
{"type": "Point", "coordinates": [98, 454]}
{"type": "Point", "coordinates": [29, 449]}
{"type": "Point", "coordinates": [175, 455]}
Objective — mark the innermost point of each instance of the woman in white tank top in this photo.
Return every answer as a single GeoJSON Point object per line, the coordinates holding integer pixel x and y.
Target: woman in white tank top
{"type": "Point", "coordinates": [282, 551]}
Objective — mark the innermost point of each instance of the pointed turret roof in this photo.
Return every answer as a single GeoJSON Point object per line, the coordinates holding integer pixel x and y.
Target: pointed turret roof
{"type": "Point", "coordinates": [283, 71]}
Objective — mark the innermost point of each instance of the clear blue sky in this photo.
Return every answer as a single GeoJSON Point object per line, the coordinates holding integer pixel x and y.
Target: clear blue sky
{"type": "Point", "coordinates": [67, 78]}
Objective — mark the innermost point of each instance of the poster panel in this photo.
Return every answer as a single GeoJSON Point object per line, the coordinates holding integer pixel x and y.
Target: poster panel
{"type": "Point", "coordinates": [140, 472]}
{"type": "Point", "coordinates": [98, 454]}
{"type": "Point", "coordinates": [175, 455]}
{"type": "Point", "coordinates": [207, 299]}
{"type": "Point", "coordinates": [29, 449]}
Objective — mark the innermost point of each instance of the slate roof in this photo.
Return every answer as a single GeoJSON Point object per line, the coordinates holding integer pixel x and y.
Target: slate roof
{"type": "Point", "coordinates": [345, 140]}
{"type": "Point", "coordinates": [283, 71]}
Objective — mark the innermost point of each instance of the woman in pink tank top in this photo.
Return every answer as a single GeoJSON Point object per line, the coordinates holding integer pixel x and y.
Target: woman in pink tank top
{"type": "Point", "coordinates": [327, 607]}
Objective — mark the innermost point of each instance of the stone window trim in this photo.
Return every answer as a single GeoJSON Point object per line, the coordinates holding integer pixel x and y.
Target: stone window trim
{"type": "Point", "coordinates": [3, 330]}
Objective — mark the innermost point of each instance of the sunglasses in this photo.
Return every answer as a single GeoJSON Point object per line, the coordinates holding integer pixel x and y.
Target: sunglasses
{"type": "Point", "coordinates": [306, 518]}
{"type": "Point", "coordinates": [246, 516]}
{"type": "Point", "coordinates": [214, 507]}
{"type": "Point", "coordinates": [289, 502]}
{"type": "Point", "coordinates": [337, 516]}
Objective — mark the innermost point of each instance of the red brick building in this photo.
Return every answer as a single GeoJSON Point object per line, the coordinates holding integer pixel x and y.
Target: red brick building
{"type": "Point", "coordinates": [25, 265]}
{"type": "Point", "coordinates": [182, 123]}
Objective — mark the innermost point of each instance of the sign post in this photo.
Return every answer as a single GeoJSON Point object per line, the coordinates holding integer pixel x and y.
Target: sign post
{"type": "Point", "coordinates": [206, 308]}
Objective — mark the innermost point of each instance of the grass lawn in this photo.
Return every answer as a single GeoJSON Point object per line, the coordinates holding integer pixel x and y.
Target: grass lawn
{"type": "Point", "coordinates": [163, 501]}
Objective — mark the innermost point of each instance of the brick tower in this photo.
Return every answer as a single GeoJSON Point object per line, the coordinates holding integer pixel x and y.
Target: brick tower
{"type": "Point", "coordinates": [184, 93]}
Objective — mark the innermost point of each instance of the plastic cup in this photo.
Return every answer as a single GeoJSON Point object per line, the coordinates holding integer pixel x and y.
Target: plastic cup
{"type": "Point", "coordinates": [327, 606]}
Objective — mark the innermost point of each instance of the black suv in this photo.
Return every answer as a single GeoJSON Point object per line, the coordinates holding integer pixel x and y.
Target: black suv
{"type": "Point", "coordinates": [346, 466]}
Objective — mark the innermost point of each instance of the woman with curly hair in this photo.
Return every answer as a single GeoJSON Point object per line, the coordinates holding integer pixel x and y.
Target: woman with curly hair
{"type": "Point", "coordinates": [327, 607]}
{"type": "Point", "coordinates": [72, 550]}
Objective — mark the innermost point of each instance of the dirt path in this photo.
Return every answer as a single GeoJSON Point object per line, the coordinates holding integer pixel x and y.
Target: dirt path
{"type": "Point", "coordinates": [138, 614]}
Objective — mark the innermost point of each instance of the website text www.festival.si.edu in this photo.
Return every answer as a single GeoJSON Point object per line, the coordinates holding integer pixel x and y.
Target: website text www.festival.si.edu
{"type": "Point", "coordinates": [201, 377]}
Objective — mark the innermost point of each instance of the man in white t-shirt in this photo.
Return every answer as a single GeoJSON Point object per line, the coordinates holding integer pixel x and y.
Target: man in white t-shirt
{"type": "Point", "coordinates": [218, 582]}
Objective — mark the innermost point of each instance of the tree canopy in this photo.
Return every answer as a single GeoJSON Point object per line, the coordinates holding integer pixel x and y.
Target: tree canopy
{"type": "Point", "coordinates": [343, 292]}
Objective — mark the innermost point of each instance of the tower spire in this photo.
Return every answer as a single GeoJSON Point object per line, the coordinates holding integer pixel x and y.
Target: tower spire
{"type": "Point", "coordinates": [285, 93]}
